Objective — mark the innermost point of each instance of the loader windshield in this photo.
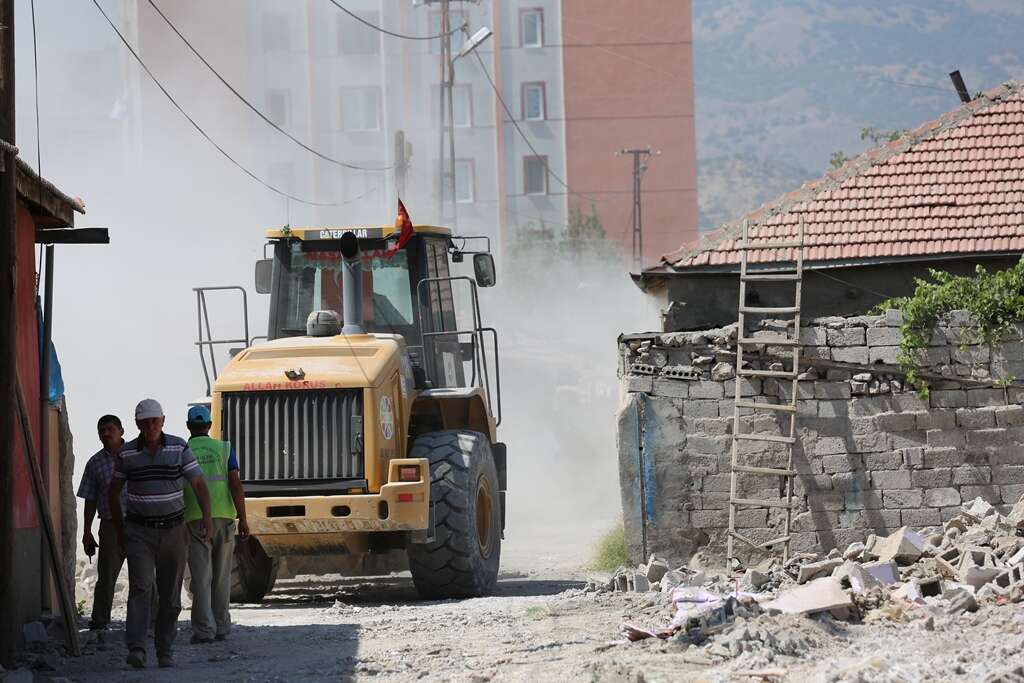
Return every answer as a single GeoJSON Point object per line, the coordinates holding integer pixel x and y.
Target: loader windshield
{"type": "Point", "coordinates": [313, 281]}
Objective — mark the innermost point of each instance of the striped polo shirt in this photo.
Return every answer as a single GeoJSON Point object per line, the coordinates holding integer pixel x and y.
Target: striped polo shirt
{"type": "Point", "coordinates": [155, 482]}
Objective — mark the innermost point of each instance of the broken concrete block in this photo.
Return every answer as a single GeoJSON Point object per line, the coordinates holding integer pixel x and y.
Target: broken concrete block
{"type": "Point", "coordinates": [854, 551]}
{"type": "Point", "coordinates": [930, 586]}
{"type": "Point", "coordinates": [819, 595]}
{"type": "Point", "coordinates": [976, 557]}
{"type": "Point", "coordinates": [1016, 558]}
{"type": "Point", "coordinates": [960, 600]}
{"type": "Point", "coordinates": [859, 579]}
{"type": "Point", "coordinates": [755, 579]}
{"type": "Point", "coordinates": [816, 569]}
{"type": "Point", "coordinates": [1016, 515]}
{"type": "Point", "coordinates": [640, 582]}
{"type": "Point", "coordinates": [655, 569]}
{"type": "Point", "coordinates": [946, 570]}
{"type": "Point", "coordinates": [910, 592]}
{"type": "Point", "coordinates": [979, 508]}
{"type": "Point", "coordinates": [904, 546]}
{"type": "Point", "coordinates": [885, 573]}
{"type": "Point", "coordinates": [672, 579]}
{"type": "Point", "coordinates": [979, 576]}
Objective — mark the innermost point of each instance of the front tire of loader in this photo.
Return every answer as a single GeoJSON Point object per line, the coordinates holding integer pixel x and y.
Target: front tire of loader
{"type": "Point", "coordinates": [462, 561]}
{"type": "Point", "coordinates": [253, 573]}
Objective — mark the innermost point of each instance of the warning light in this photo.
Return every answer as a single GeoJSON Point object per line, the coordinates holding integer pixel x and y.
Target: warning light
{"type": "Point", "coordinates": [404, 497]}
{"type": "Point", "coordinates": [408, 473]}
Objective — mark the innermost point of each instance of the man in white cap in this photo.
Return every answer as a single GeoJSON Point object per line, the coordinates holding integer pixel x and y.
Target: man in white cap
{"type": "Point", "coordinates": [155, 467]}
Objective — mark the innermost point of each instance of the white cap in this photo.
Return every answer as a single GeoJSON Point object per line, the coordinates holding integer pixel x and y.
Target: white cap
{"type": "Point", "coordinates": [147, 409]}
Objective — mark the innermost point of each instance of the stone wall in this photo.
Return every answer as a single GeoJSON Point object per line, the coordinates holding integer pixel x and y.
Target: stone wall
{"type": "Point", "coordinates": [871, 454]}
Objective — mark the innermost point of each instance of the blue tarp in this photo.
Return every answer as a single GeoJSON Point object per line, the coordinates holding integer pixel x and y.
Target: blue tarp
{"type": "Point", "coordinates": [56, 389]}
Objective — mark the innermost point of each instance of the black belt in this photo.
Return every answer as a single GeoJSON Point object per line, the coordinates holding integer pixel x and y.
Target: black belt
{"type": "Point", "coordinates": [168, 523]}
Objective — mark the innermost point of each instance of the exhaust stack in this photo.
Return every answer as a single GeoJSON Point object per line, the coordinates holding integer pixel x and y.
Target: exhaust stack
{"type": "Point", "coordinates": [351, 286]}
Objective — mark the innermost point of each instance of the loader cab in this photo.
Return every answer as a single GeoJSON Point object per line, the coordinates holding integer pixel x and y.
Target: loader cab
{"type": "Point", "coordinates": [405, 293]}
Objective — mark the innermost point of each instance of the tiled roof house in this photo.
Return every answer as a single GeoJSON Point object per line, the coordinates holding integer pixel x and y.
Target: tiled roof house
{"type": "Point", "coordinates": [946, 195]}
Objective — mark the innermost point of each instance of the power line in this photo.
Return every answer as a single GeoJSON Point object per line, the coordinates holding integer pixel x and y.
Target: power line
{"type": "Point", "coordinates": [515, 124]}
{"type": "Point", "coordinates": [387, 32]}
{"type": "Point", "coordinates": [39, 144]}
{"type": "Point", "coordinates": [199, 128]}
{"type": "Point", "coordinates": [915, 85]}
{"type": "Point", "coordinates": [35, 68]}
{"type": "Point", "coordinates": [253, 107]}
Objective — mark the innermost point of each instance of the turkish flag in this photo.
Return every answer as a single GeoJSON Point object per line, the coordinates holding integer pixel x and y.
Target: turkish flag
{"type": "Point", "coordinates": [405, 232]}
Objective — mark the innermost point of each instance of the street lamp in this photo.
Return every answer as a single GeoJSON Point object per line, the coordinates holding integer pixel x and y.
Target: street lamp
{"type": "Point", "coordinates": [474, 42]}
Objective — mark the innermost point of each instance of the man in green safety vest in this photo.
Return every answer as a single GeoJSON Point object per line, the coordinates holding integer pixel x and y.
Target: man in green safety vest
{"type": "Point", "coordinates": [210, 560]}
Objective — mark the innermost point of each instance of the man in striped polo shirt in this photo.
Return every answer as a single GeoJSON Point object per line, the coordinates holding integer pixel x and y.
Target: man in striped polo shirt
{"type": "Point", "coordinates": [155, 467]}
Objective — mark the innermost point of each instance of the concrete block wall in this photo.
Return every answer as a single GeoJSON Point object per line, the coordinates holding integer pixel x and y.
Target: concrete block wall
{"type": "Point", "coordinates": [871, 453]}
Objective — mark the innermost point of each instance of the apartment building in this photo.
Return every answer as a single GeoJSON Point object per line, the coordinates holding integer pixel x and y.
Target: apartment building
{"type": "Point", "coordinates": [578, 81]}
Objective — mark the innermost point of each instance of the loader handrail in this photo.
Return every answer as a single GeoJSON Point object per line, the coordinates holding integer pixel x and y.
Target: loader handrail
{"type": "Point", "coordinates": [205, 342]}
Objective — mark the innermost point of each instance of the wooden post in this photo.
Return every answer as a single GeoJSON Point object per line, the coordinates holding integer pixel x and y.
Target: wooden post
{"type": "Point", "coordinates": [67, 601]}
{"type": "Point", "coordinates": [9, 628]}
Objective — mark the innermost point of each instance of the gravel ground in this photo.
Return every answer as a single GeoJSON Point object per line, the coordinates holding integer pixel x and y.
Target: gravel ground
{"type": "Point", "coordinates": [545, 624]}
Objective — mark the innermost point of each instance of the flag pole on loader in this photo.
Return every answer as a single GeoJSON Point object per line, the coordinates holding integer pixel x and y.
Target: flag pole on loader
{"type": "Point", "coordinates": [405, 232]}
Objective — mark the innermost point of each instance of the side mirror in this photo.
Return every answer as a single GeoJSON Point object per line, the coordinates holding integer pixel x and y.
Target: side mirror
{"type": "Point", "coordinates": [264, 269]}
{"type": "Point", "coordinates": [483, 269]}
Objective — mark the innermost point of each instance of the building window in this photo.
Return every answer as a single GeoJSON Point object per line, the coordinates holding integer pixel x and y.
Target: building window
{"type": "Point", "coordinates": [360, 109]}
{"type": "Point", "coordinates": [355, 38]}
{"type": "Point", "coordinates": [535, 175]}
{"type": "Point", "coordinates": [531, 28]}
{"type": "Point", "coordinates": [279, 106]}
{"type": "Point", "coordinates": [464, 180]}
{"type": "Point", "coordinates": [275, 31]}
{"type": "Point", "coordinates": [534, 102]}
{"type": "Point", "coordinates": [462, 106]}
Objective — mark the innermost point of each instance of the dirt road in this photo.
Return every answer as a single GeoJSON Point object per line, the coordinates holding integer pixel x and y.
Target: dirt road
{"type": "Point", "coordinates": [544, 624]}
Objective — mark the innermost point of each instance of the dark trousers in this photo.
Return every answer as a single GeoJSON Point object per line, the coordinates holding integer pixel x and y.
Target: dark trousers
{"type": "Point", "coordinates": [108, 567]}
{"type": "Point", "coordinates": [160, 554]}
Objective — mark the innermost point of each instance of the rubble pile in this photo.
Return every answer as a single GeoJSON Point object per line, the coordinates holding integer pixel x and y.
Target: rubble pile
{"type": "Point", "coordinates": [975, 559]}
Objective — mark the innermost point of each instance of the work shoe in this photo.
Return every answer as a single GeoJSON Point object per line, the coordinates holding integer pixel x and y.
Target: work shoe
{"type": "Point", "coordinates": [165, 661]}
{"type": "Point", "coordinates": [199, 640]}
{"type": "Point", "coordinates": [137, 658]}
{"type": "Point", "coordinates": [221, 636]}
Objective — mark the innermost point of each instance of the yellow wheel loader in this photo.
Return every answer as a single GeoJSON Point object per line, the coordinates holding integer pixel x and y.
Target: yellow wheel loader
{"type": "Point", "coordinates": [364, 423]}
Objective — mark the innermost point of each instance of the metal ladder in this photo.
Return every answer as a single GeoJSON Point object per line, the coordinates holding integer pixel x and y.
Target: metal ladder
{"type": "Point", "coordinates": [794, 275]}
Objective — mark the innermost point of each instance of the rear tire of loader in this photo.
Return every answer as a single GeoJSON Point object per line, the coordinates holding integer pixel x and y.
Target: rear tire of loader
{"type": "Point", "coordinates": [253, 573]}
{"type": "Point", "coordinates": [462, 561]}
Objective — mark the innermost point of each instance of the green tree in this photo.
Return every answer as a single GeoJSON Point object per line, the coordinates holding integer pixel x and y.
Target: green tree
{"type": "Point", "coordinates": [877, 138]}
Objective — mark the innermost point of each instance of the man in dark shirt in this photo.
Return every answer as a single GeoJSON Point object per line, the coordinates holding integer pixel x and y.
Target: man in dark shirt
{"type": "Point", "coordinates": [94, 489]}
{"type": "Point", "coordinates": [155, 467]}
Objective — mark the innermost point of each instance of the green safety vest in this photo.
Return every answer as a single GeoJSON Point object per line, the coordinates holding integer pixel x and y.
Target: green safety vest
{"type": "Point", "coordinates": [212, 456]}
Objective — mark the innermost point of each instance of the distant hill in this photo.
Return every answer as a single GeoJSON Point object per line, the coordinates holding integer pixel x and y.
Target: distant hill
{"type": "Point", "coordinates": [731, 186]}
{"type": "Point", "coordinates": [781, 84]}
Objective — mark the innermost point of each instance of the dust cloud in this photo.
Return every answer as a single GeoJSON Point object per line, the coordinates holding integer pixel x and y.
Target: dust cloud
{"type": "Point", "coordinates": [181, 216]}
{"type": "Point", "coordinates": [559, 318]}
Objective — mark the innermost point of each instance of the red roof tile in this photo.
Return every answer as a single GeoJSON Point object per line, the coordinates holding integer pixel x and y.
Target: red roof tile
{"type": "Point", "coordinates": [953, 185]}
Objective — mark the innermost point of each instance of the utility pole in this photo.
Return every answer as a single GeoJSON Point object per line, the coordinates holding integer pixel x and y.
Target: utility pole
{"type": "Point", "coordinates": [403, 154]}
{"type": "Point", "coordinates": [446, 157]}
{"type": "Point", "coordinates": [640, 157]}
{"type": "Point", "coordinates": [9, 631]}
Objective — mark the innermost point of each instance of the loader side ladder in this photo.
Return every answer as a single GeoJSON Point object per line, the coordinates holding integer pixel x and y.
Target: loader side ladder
{"type": "Point", "coordinates": [792, 274]}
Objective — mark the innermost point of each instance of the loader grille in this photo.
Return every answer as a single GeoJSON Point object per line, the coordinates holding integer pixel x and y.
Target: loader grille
{"type": "Point", "coordinates": [295, 435]}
